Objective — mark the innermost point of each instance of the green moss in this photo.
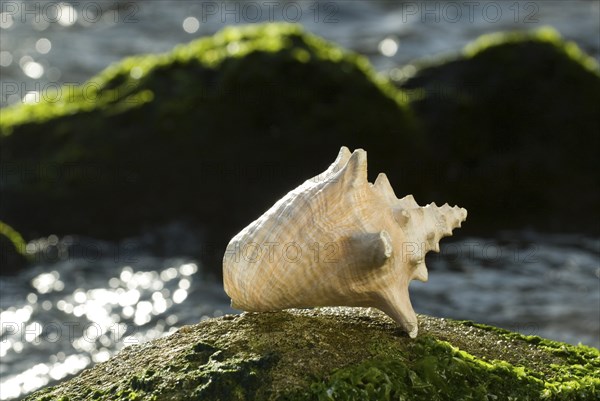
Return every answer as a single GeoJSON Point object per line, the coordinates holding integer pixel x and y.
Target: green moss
{"type": "Point", "coordinates": [436, 371]}
{"type": "Point", "coordinates": [14, 237]}
{"type": "Point", "coordinates": [433, 369]}
{"type": "Point", "coordinates": [545, 34]}
{"type": "Point", "coordinates": [144, 383]}
{"type": "Point", "coordinates": [442, 372]}
{"type": "Point", "coordinates": [578, 378]}
{"type": "Point", "coordinates": [13, 255]}
{"type": "Point", "coordinates": [341, 354]}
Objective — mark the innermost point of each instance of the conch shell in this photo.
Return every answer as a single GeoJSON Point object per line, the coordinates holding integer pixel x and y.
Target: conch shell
{"type": "Point", "coordinates": [337, 240]}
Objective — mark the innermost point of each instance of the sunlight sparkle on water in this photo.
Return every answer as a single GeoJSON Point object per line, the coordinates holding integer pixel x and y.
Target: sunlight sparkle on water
{"type": "Point", "coordinates": [129, 298]}
{"type": "Point", "coordinates": [6, 20]}
{"type": "Point", "coordinates": [168, 274]}
{"type": "Point", "coordinates": [33, 331]}
{"type": "Point", "coordinates": [33, 70]}
{"type": "Point", "coordinates": [128, 311]}
{"type": "Point", "coordinates": [184, 284]}
{"type": "Point", "coordinates": [126, 274]}
{"type": "Point", "coordinates": [101, 356]}
{"type": "Point", "coordinates": [38, 376]}
{"type": "Point", "coordinates": [6, 58]}
{"type": "Point", "coordinates": [191, 24]}
{"type": "Point", "coordinates": [47, 282]}
{"type": "Point", "coordinates": [31, 97]}
{"type": "Point", "coordinates": [79, 296]}
{"type": "Point", "coordinates": [142, 313]}
{"type": "Point", "coordinates": [188, 269]}
{"type": "Point", "coordinates": [32, 298]}
{"type": "Point", "coordinates": [43, 45]}
{"type": "Point", "coordinates": [67, 15]}
{"type": "Point", "coordinates": [90, 323]}
{"type": "Point", "coordinates": [64, 306]}
{"type": "Point", "coordinates": [388, 46]}
{"type": "Point", "coordinates": [179, 296]}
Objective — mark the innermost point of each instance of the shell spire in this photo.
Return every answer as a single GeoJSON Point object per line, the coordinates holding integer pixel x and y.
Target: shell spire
{"type": "Point", "coordinates": [427, 225]}
{"type": "Point", "coordinates": [337, 240]}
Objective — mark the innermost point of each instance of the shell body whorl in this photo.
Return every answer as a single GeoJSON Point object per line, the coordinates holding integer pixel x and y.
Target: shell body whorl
{"type": "Point", "coordinates": [337, 240]}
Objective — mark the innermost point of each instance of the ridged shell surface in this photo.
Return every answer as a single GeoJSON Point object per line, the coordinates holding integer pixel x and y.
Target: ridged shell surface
{"type": "Point", "coordinates": [337, 240]}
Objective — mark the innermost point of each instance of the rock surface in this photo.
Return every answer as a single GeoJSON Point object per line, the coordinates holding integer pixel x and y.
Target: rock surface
{"type": "Point", "coordinates": [338, 354]}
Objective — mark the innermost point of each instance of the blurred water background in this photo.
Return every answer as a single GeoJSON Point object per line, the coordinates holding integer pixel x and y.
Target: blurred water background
{"type": "Point", "coordinates": [47, 42]}
{"type": "Point", "coordinates": [85, 299]}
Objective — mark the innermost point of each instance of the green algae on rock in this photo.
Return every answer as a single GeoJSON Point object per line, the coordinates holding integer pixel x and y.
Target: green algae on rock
{"type": "Point", "coordinates": [181, 135]}
{"type": "Point", "coordinates": [13, 254]}
{"type": "Point", "coordinates": [338, 354]}
{"type": "Point", "coordinates": [515, 122]}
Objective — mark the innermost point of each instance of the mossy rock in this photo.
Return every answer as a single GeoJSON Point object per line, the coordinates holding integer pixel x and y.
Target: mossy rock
{"type": "Point", "coordinates": [210, 133]}
{"type": "Point", "coordinates": [13, 256]}
{"type": "Point", "coordinates": [339, 354]}
{"type": "Point", "coordinates": [513, 128]}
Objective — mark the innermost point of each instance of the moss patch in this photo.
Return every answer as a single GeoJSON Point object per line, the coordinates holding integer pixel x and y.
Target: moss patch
{"type": "Point", "coordinates": [13, 255]}
{"type": "Point", "coordinates": [339, 354]}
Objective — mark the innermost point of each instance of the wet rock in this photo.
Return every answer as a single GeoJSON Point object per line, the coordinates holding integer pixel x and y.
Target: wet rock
{"type": "Point", "coordinates": [338, 353]}
{"type": "Point", "coordinates": [511, 128]}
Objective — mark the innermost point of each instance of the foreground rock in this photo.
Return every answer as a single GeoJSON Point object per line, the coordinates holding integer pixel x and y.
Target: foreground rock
{"type": "Point", "coordinates": [338, 354]}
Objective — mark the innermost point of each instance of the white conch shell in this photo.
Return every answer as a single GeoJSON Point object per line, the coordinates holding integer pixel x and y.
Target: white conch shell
{"type": "Point", "coordinates": [337, 240]}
